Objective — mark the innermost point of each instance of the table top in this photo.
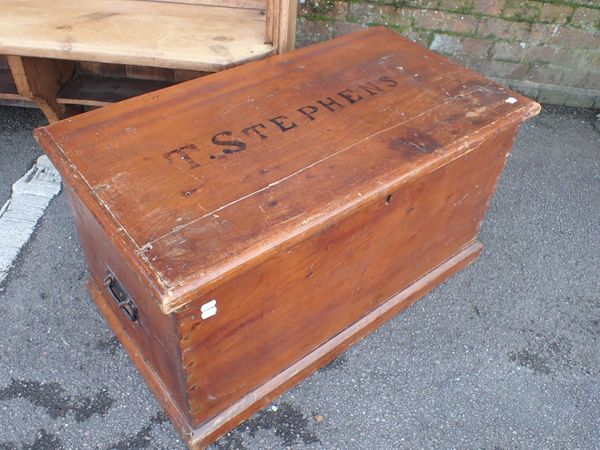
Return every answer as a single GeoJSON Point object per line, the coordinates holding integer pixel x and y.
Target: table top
{"type": "Point", "coordinates": [144, 33]}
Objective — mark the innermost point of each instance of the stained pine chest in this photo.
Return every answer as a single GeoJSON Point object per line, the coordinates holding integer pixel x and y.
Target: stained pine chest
{"type": "Point", "coordinates": [244, 228]}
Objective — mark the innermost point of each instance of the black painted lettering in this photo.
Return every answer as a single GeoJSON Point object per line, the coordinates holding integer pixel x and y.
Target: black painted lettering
{"type": "Point", "coordinates": [389, 81]}
{"type": "Point", "coordinates": [331, 103]}
{"type": "Point", "coordinates": [348, 94]}
{"type": "Point", "coordinates": [239, 145]}
{"type": "Point", "coordinates": [254, 128]}
{"type": "Point", "coordinates": [308, 111]}
{"type": "Point", "coordinates": [282, 126]}
{"type": "Point", "coordinates": [233, 144]}
{"type": "Point", "coordinates": [371, 88]}
{"type": "Point", "coordinates": [183, 154]}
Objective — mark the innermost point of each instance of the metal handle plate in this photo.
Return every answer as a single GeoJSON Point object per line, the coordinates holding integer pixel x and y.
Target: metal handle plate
{"type": "Point", "coordinates": [123, 299]}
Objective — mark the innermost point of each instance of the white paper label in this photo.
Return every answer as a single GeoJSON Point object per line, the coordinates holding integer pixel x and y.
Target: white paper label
{"type": "Point", "coordinates": [208, 309]}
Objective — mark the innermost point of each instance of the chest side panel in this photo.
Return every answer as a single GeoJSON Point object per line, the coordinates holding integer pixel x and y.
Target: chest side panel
{"type": "Point", "coordinates": [154, 333]}
{"type": "Point", "coordinates": [285, 307]}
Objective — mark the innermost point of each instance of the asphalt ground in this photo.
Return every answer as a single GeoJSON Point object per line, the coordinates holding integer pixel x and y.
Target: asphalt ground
{"type": "Point", "coordinates": [504, 355]}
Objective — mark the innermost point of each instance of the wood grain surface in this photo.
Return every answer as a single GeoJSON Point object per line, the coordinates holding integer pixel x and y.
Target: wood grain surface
{"type": "Point", "coordinates": [154, 334]}
{"type": "Point", "coordinates": [266, 217]}
{"type": "Point", "coordinates": [93, 90]}
{"type": "Point", "coordinates": [143, 33]}
{"type": "Point", "coordinates": [311, 152]}
{"type": "Point", "coordinates": [39, 80]}
{"type": "Point", "coordinates": [308, 292]}
{"type": "Point", "coordinates": [248, 4]}
{"type": "Point", "coordinates": [252, 402]}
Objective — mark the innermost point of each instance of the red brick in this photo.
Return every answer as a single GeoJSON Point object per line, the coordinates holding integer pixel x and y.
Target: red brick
{"type": "Point", "coordinates": [552, 96]}
{"type": "Point", "coordinates": [564, 37]}
{"type": "Point", "coordinates": [544, 33]}
{"type": "Point", "coordinates": [593, 80]}
{"type": "Point", "coordinates": [463, 60]}
{"type": "Point", "coordinates": [422, 3]}
{"type": "Point", "coordinates": [499, 69]}
{"type": "Point", "coordinates": [508, 51]}
{"type": "Point", "coordinates": [419, 37]}
{"type": "Point", "coordinates": [582, 59]}
{"type": "Point", "coordinates": [448, 45]}
{"type": "Point", "coordinates": [304, 9]}
{"type": "Point", "coordinates": [587, 2]}
{"type": "Point", "coordinates": [311, 31]}
{"type": "Point", "coordinates": [586, 17]}
{"type": "Point", "coordinates": [342, 28]}
{"type": "Point", "coordinates": [555, 13]}
{"type": "Point", "coordinates": [527, 90]}
{"type": "Point", "coordinates": [476, 47]}
{"type": "Point", "coordinates": [453, 45]}
{"type": "Point", "coordinates": [503, 29]}
{"type": "Point", "coordinates": [455, 4]}
{"type": "Point", "coordinates": [572, 76]}
{"type": "Point", "coordinates": [444, 21]}
{"type": "Point", "coordinates": [541, 53]}
{"type": "Point", "coordinates": [315, 7]}
{"type": "Point", "coordinates": [522, 9]}
{"type": "Point", "coordinates": [404, 17]}
{"type": "Point", "coordinates": [369, 13]}
{"type": "Point", "coordinates": [490, 7]}
{"type": "Point", "coordinates": [340, 11]}
{"type": "Point", "coordinates": [589, 59]}
{"type": "Point", "coordinates": [579, 100]}
{"type": "Point", "coordinates": [549, 74]}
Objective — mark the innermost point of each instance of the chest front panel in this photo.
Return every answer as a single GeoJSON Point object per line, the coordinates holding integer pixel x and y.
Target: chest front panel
{"type": "Point", "coordinates": [272, 315]}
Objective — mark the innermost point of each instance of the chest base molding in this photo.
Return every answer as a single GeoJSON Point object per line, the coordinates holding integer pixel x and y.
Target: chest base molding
{"type": "Point", "coordinates": [203, 435]}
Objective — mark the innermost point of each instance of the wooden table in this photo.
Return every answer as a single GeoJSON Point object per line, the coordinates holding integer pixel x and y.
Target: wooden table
{"type": "Point", "coordinates": [157, 42]}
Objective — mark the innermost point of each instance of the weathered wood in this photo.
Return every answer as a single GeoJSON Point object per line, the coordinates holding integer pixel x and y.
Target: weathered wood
{"type": "Point", "coordinates": [8, 90]}
{"type": "Point", "coordinates": [101, 69]}
{"type": "Point", "coordinates": [93, 90]}
{"type": "Point", "coordinates": [187, 75]}
{"type": "Point", "coordinates": [21, 102]}
{"type": "Point", "coordinates": [150, 73]}
{"type": "Point", "coordinates": [281, 24]}
{"type": "Point", "coordinates": [153, 378]}
{"type": "Point", "coordinates": [156, 34]}
{"type": "Point", "coordinates": [269, 391]}
{"type": "Point", "coordinates": [272, 19]}
{"type": "Point", "coordinates": [287, 26]}
{"type": "Point", "coordinates": [189, 38]}
{"type": "Point", "coordinates": [39, 80]}
{"type": "Point", "coordinates": [430, 89]}
{"type": "Point", "coordinates": [154, 334]}
{"type": "Point", "coordinates": [430, 220]}
{"type": "Point", "coordinates": [247, 4]}
{"type": "Point", "coordinates": [266, 217]}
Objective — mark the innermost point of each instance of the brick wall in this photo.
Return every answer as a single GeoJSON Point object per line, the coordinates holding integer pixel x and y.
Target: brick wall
{"type": "Point", "coordinates": [547, 49]}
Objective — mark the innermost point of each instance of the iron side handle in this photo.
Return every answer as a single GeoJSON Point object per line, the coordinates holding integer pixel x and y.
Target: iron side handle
{"type": "Point", "coordinates": [125, 302]}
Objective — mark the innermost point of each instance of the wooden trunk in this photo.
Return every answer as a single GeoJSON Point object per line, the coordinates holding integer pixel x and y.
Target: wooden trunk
{"type": "Point", "coordinates": [262, 219]}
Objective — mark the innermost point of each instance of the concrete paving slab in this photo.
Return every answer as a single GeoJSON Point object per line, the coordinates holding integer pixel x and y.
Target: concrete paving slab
{"type": "Point", "coordinates": [30, 197]}
{"type": "Point", "coordinates": [18, 149]}
{"type": "Point", "coordinates": [503, 355]}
